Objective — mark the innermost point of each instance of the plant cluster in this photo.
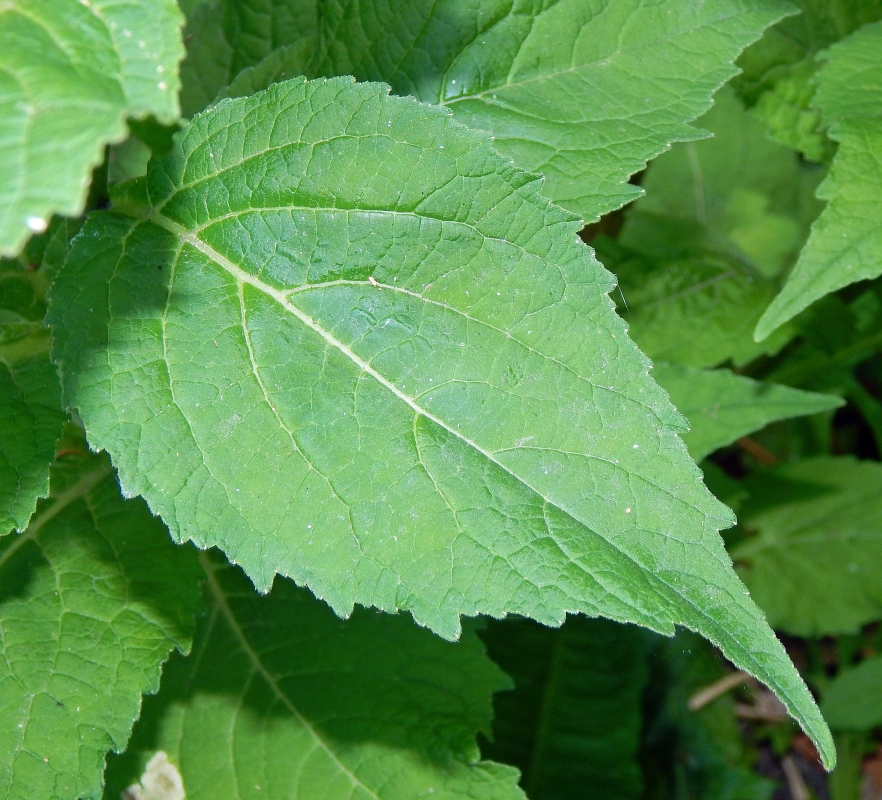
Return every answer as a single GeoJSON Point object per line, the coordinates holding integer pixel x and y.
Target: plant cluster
{"type": "Point", "coordinates": [376, 377]}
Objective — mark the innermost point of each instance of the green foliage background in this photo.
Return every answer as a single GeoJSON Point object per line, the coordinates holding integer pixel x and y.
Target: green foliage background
{"type": "Point", "coordinates": [377, 378]}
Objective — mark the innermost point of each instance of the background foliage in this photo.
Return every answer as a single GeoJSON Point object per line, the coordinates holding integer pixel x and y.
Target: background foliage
{"type": "Point", "coordinates": [343, 339]}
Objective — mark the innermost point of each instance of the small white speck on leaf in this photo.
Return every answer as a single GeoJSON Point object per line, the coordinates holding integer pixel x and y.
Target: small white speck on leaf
{"type": "Point", "coordinates": [627, 510]}
{"type": "Point", "coordinates": [162, 86]}
{"type": "Point", "coordinates": [36, 224]}
{"type": "Point", "coordinates": [372, 281]}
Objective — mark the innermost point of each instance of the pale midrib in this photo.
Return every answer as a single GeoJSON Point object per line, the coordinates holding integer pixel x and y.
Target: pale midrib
{"type": "Point", "coordinates": [224, 607]}
{"type": "Point", "coordinates": [62, 501]}
{"type": "Point", "coordinates": [281, 298]}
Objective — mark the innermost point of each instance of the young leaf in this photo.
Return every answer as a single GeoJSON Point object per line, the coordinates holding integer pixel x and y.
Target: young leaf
{"type": "Point", "coordinates": [698, 254]}
{"type": "Point", "coordinates": [814, 566]}
{"type": "Point", "coordinates": [584, 93]}
{"type": "Point", "coordinates": [31, 417]}
{"type": "Point", "coordinates": [70, 73]}
{"type": "Point", "coordinates": [574, 717]}
{"type": "Point", "coordinates": [226, 36]}
{"type": "Point", "coordinates": [722, 407]}
{"type": "Point", "coordinates": [94, 596]}
{"type": "Point", "coordinates": [779, 69]}
{"type": "Point", "coordinates": [346, 341]}
{"type": "Point", "coordinates": [281, 699]}
{"type": "Point", "coordinates": [853, 700]}
{"type": "Point", "coordinates": [846, 241]}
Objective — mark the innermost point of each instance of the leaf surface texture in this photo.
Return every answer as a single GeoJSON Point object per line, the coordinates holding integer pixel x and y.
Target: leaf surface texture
{"type": "Point", "coordinates": [281, 699]}
{"type": "Point", "coordinates": [95, 595]}
{"type": "Point", "coordinates": [583, 92]}
{"type": "Point", "coordinates": [70, 74]}
{"type": "Point", "coordinates": [346, 341]}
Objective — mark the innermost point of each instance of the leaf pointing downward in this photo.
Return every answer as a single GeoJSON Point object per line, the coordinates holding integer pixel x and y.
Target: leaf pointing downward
{"type": "Point", "coordinates": [349, 343]}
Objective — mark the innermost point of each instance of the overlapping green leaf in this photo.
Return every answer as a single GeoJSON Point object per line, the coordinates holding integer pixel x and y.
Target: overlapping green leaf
{"type": "Point", "coordinates": [845, 245]}
{"type": "Point", "coordinates": [31, 417]}
{"type": "Point", "coordinates": [815, 564]}
{"type": "Point", "coordinates": [346, 341]}
{"type": "Point", "coordinates": [281, 699]}
{"type": "Point", "coordinates": [583, 92]}
{"type": "Point", "coordinates": [70, 73]}
{"type": "Point", "coordinates": [779, 70]}
{"type": "Point", "coordinates": [226, 36]}
{"type": "Point", "coordinates": [853, 700]}
{"type": "Point", "coordinates": [694, 754]}
{"type": "Point", "coordinates": [722, 407]}
{"type": "Point", "coordinates": [575, 716]}
{"type": "Point", "coordinates": [94, 595]}
{"type": "Point", "coordinates": [697, 256]}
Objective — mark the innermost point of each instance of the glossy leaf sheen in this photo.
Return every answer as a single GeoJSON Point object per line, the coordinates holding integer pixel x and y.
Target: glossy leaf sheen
{"type": "Point", "coordinates": [845, 245]}
{"type": "Point", "coordinates": [281, 699]}
{"type": "Point", "coordinates": [585, 92]}
{"type": "Point", "coordinates": [722, 407]}
{"type": "Point", "coordinates": [350, 343]}
{"type": "Point", "coordinates": [94, 596]}
{"type": "Point", "coordinates": [70, 73]}
{"type": "Point", "coordinates": [814, 566]}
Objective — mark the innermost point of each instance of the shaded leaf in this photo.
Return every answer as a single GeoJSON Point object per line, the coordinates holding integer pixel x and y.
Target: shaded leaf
{"type": "Point", "coordinates": [572, 724]}
{"type": "Point", "coordinates": [226, 36]}
{"type": "Point", "coordinates": [846, 241]}
{"type": "Point", "coordinates": [815, 565]}
{"type": "Point", "coordinates": [31, 417]}
{"type": "Point", "coordinates": [585, 93]}
{"type": "Point", "coordinates": [348, 342]}
{"type": "Point", "coordinates": [70, 73]}
{"type": "Point", "coordinates": [722, 407]}
{"type": "Point", "coordinates": [779, 70]}
{"type": "Point", "coordinates": [94, 596]}
{"type": "Point", "coordinates": [697, 256]}
{"type": "Point", "coordinates": [281, 699]}
{"type": "Point", "coordinates": [853, 700]}
{"type": "Point", "coordinates": [694, 754]}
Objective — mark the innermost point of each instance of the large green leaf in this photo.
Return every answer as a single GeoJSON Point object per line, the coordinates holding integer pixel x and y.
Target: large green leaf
{"type": "Point", "coordinates": [31, 417]}
{"type": "Point", "coordinates": [281, 699]}
{"type": "Point", "coordinates": [94, 595]}
{"type": "Point", "coordinates": [346, 341]}
{"type": "Point", "coordinates": [70, 73]}
{"type": "Point", "coordinates": [583, 92]}
{"type": "Point", "coordinates": [846, 241]}
{"type": "Point", "coordinates": [815, 565]}
{"type": "Point", "coordinates": [574, 718]}
{"type": "Point", "coordinates": [722, 407]}
{"type": "Point", "coordinates": [698, 254]}
{"type": "Point", "coordinates": [853, 700]}
{"type": "Point", "coordinates": [779, 69]}
{"type": "Point", "coordinates": [226, 36]}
